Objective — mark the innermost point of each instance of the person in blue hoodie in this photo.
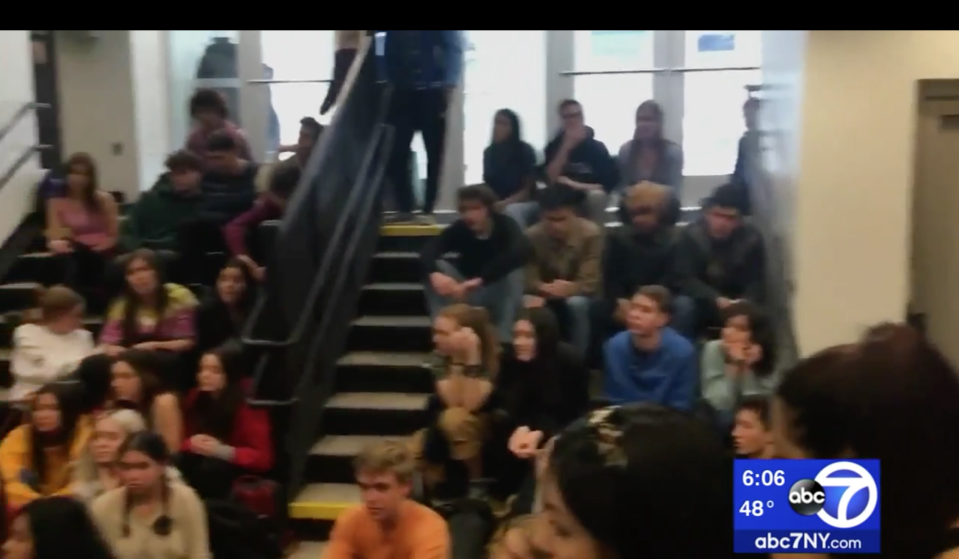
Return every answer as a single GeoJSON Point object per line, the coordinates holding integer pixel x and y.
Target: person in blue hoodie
{"type": "Point", "coordinates": [650, 362]}
{"type": "Point", "coordinates": [576, 158]}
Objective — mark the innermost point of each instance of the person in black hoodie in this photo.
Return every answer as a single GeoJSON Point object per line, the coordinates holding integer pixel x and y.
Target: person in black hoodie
{"type": "Point", "coordinates": [575, 158]}
{"type": "Point", "coordinates": [227, 190]}
{"type": "Point", "coordinates": [488, 273]}
{"type": "Point", "coordinates": [509, 168]}
{"type": "Point", "coordinates": [720, 259]}
{"type": "Point", "coordinates": [641, 253]}
{"type": "Point", "coordinates": [543, 385]}
{"type": "Point", "coordinates": [221, 316]}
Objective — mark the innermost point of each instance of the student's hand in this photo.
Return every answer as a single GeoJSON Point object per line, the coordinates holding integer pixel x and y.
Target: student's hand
{"type": "Point", "coordinates": [573, 136]}
{"type": "Point", "coordinates": [258, 272]}
{"type": "Point", "coordinates": [112, 350]}
{"type": "Point", "coordinates": [736, 353]}
{"type": "Point", "coordinates": [59, 246]}
{"type": "Point", "coordinates": [442, 283]}
{"type": "Point", "coordinates": [520, 442]}
{"type": "Point", "coordinates": [147, 346]}
{"type": "Point", "coordinates": [470, 285]}
{"type": "Point", "coordinates": [564, 289]}
{"type": "Point", "coordinates": [465, 344]}
{"type": "Point", "coordinates": [723, 302]}
{"type": "Point", "coordinates": [752, 354]}
{"type": "Point", "coordinates": [458, 292]}
{"type": "Point", "coordinates": [533, 301]}
{"type": "Point", "coordinates": [549, 289]}
{"type": "Point", "coordinates": [203, 444]}
{"type": "Point", "coordinates": [622, 310]}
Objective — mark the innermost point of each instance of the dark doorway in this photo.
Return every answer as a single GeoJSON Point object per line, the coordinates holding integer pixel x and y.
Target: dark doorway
{"type": "Point", "coordinates": [46, 88]}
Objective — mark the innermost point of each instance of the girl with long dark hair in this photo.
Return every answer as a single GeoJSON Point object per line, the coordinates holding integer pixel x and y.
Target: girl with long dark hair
{"type": "Point", "coordinates": [83, 228]}
{"type": "Point", "coordinates": [621, 481]}
{"type": "Point", "coordinates": [36, 458]}
{"type": "Point", "coordinates": [152, 316]}
{"type": "Point", "coordinates": [225, 437]}
{"type": "Point", "coordinates": [649, 156]}
{"type": "Point", "coordinates": [221, 316]}
{"type": "Point", "coordinates": [149, 515]}
{"type": "Point", "coordinates": [509, 167]}
{"type": "Point", "coordinates": [543, 386]}
{"type": "Point", "coordinates": [55, 528]}
{"type": "Point", "coordinates": [135, 385]}
{"type": "Point", "coordinates": [741, 362]}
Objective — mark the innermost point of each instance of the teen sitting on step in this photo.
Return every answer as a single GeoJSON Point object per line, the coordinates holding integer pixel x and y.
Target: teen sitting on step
{"type": "Point", "coordinates": [388, 523]}
{"type": "Point", "coordinates": [488, 272]}
{"type": "Point", "coordinates": [453, 448]}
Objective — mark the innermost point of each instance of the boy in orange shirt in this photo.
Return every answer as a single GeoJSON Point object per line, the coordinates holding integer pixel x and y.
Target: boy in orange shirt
{"type": "Point", "coordinates": [388, 525]}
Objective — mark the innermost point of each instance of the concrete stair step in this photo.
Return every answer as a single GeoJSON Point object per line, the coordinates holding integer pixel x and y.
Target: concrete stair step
{"type": "Point", "coordinates": [324, 501]}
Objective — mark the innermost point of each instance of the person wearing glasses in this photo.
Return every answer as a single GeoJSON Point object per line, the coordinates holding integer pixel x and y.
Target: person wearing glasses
{"type": "Point", "coordinates": [574, 157]}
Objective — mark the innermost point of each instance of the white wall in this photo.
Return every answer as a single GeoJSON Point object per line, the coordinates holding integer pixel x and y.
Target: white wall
{"type": "Point", "coordinates": [16, 88]}
{"type": "Point", "coordinates": [853, 195]}
{"type": "Point", "coordinates": [114, 104]}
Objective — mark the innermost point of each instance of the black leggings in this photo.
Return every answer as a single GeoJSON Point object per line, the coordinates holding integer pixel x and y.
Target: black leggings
{"type": "Point", "coordinates": [85, 270]}
{"type": "Point", "coordinates": [212, 478]}
{"type": "Point", "coordinates": [421, 111]}
{"type": "Point", "coordinates": [196, 238]}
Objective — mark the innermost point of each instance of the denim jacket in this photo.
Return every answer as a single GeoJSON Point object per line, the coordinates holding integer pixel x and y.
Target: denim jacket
{"type": "Point", "coordinates": [419, 59]}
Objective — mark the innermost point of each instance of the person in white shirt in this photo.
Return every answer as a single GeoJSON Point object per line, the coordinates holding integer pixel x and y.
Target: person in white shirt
{"type": "Point", "coordinates": [51, 348]}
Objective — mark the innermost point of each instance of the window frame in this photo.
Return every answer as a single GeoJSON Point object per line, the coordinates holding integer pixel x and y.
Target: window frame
{"type": "Point", "coordinates": [668, 79]}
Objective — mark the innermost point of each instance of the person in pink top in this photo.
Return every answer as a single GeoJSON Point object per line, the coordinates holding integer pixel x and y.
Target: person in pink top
{"type": "Point", "coordinates": [83, 229]}
{"type": "Point", "coordinates": [208, 109]}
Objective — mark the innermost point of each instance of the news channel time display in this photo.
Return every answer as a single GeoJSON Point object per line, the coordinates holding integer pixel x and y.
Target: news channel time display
{"type": "Point", "coordinates": [806, 506]}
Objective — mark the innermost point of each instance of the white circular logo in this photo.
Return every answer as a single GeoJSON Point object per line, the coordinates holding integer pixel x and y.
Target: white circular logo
{"type": "Point", "coordinates": [852, 485]}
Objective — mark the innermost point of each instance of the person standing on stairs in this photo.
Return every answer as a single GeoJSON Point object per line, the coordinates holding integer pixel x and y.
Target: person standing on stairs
{"type": "Point", "coordinates": [423, 68]}
{"type": "Point", "coordinates": [388, 523]}
{"type": "Point", "coordinates": [488, 273]}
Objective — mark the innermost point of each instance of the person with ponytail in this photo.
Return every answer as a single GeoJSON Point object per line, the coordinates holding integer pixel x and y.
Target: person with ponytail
{"type": "Point", "coordinates": [52, 347]}
{"type": "Point", "coordinates": [36, 458]}
{"type": "Point", "coordinates": [149, 515]}
{"type": "Point", "coordinates": [225, 437]}
{"type": "Point", "coordinates": [466, 362]}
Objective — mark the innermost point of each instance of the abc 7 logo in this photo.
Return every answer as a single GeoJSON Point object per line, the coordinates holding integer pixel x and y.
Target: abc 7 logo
{"type": "Point", "coordinates": [808, 496]}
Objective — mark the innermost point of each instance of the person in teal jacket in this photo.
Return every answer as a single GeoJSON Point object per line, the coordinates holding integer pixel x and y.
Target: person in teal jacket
{"type": "Point", "coordinates": [741, 362]}
{"type": "Point", "coordinates": [175, 198]}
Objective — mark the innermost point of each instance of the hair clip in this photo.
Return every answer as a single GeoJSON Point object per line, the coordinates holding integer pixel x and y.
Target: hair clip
{"type": "Point", "coordinates": [608, 437]}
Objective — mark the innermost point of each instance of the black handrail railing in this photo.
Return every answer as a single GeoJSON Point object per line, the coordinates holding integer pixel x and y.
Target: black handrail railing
{"type": "Point", "coordinates": [23, 111]}
{"type": "Point", "coordinates": [324, 154]}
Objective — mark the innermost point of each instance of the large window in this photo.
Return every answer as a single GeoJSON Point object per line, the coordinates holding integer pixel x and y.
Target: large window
{"type": "Point", "coordinates": [698, 77]}
{"type": "Point", "coordinates": [298, 62]}
{"type": "Point", "coordinates": [713, 94]}
{"type": "Point", "coordinates": [504, 70]}
{"type": "Point", "coordinates": [610, 100]}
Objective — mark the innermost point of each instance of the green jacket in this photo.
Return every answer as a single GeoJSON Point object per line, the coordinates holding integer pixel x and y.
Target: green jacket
{"type": "Point", "coordinates": [154, 219]}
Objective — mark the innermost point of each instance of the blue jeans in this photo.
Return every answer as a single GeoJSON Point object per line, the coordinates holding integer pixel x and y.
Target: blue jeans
{"type": "Point", "coordinates": [524, 213]}
{"type": "Point", "coordinates": [501, 299]}
{"type": "Point", "coordinates": [575, 313]}
{"type": "Point", "coordinates": [684, 316]}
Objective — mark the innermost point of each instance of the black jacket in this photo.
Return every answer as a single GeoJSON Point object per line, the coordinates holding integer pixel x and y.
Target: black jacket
{"type": "Point", "coordinates": [490, 259]}
{"type": "Point", "coordinates": [732, 268]}
{"type": "Point", "coordinates": [633, 260]}
{"type": "Point", "coordinates": [223, 197]}
{"type": "Point", "coordinates": [546, 400]}
{"type": "Point", "coordinates": [589, 162]}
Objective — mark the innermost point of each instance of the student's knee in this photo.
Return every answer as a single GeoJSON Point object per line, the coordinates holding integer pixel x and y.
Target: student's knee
{"type": "Point", "coordinates": [464, 431]}
{"type": "Point", "coordinates": [433, 474]}
{"type": "Point", "coordinates": [579, 306]}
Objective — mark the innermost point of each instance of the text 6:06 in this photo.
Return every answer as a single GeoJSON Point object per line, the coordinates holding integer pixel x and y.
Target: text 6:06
{"type": "Point", "coordinates": [765, 478]}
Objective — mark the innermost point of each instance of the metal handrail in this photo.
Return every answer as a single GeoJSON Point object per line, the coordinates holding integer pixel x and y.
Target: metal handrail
{"type": "Point", "coordinates": [300, 327]}
{"type": "Point", "coordinates": [26, 109]}
{"type": "Point", "coordinates": [377, 141]}
{"type": "Point", "coordinates": [24, 157]}
{"type": "Point", "coordinates": [676, 70]}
